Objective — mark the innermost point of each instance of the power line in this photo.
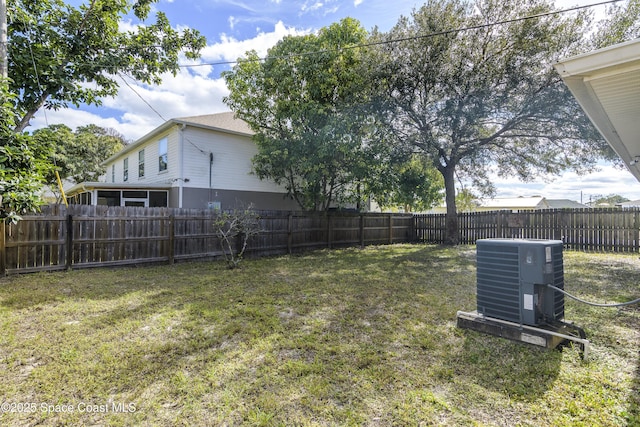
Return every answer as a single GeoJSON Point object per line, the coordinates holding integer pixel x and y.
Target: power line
{"type": "Point", "coordinates": [404, 39]}
{"type": "Point", "coordinates": [154, 110]}
{"type": "Point", "coordinates": [383, 42]}
{"type": "Point", "coordinates": [363, 45]}
{"type": "Point", "coordinates": [140, 96]}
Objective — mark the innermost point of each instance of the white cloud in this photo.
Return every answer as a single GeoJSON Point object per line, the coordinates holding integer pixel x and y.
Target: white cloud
{"type": "Point", "coordinates": [128, 25]}
{"type": "Point", "coordinates": [232, 21]}
{"type": "Point", "coordinates": [230, 49]}
{"type": "Point", "coordinates": [311, 6]}
{"type": "Point", "coordinates": [72, 118]}
{"type": "Point", "coordinates": [357, 3]}
{"type": "Point", "coordinates": [193, 91]}
{"type": "Point", "coordinates": [331, 11]}
{"type": "Point", "coordinates": [605, 181]}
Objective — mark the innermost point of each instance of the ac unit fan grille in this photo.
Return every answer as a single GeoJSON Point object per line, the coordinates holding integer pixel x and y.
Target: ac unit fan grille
{"type": "Point", "coordinates": [512, 275]}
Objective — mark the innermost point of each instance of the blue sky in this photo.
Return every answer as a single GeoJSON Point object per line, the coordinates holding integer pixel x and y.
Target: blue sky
{"type": "Point", "coordinates": [233, 27]}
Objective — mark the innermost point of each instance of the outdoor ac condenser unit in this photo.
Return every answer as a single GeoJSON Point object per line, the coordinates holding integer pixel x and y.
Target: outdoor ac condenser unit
{"type": "Point", "coordinates": [512, 275]}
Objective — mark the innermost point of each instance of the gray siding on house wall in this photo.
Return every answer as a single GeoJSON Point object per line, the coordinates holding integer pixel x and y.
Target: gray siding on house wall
{"type": "Point", "coordinates": [199, 198]}
{"type": "Point", "coordinates": [174, 197]}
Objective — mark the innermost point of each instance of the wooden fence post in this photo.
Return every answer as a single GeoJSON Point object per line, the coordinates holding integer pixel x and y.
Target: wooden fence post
{"type": "Point", "coordinates": [636, 231]}
{"type": "Point", "coordinates": [361, 226]}
{"type": "Point", "coordinates": [3, 247]}
{"type": "Point", "coordinates": [390, 229]}
{"type": "Point", "coordinates": [69, 242]}
{"type": "Point", "coordinates": [290, 233]}
{"type": "Point", "coordinates": [329, 230]}
{"type": "Point", "coordinates": [172, 239]}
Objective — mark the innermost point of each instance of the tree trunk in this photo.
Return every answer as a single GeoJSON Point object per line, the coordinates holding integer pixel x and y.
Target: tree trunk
{"type": "Point", "coordinates": [451, 219]}
{"type": "Point", "coordinates": [20, 127]}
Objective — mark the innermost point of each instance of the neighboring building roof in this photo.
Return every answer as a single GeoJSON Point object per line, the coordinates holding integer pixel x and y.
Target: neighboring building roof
{"type": "Point", "coordinates": [520, 203]}
{"type": "Point", "coordinates": [221, 122]}
{"type": "Point", "coordinates": [606, 84]}
{"type": "Point", "coordinates": [565, 204]}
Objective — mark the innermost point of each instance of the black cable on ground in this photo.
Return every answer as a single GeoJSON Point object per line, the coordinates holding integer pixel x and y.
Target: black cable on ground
{"type": "Point", "coordinates": [619, 304]}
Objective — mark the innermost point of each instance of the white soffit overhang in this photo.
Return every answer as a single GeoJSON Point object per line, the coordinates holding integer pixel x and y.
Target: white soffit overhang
{"type": "Point", "coordinates": [606, 84]}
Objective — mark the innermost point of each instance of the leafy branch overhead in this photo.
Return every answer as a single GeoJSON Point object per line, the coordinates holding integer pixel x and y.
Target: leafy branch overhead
{"type": "Point", "coordinates": [55, 49]}
{"type": "Point", "coordinates": [61, 55]}
{"type": "Point", "coordinates": [24, 164]}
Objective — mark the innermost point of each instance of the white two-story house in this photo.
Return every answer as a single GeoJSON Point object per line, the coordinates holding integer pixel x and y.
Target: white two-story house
{"type": "Point", "coordinates": [192, 162]}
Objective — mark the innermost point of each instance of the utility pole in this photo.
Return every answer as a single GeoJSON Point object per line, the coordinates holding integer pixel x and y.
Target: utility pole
{"type": "Point", "coordinates": [4, 62]}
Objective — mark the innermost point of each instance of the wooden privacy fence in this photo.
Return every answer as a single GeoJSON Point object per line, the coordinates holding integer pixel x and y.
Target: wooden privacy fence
{"type": "Point", "coordinates": [616, 230]}
{"type": "Point", "coordinates": [90, 236]}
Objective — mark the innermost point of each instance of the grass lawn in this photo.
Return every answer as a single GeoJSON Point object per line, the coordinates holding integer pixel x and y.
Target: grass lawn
{"type": "Point", "coordinates": [329, 338]}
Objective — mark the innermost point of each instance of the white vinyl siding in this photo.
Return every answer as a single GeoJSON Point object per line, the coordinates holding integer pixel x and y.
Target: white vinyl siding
{"type": "Point", "coordinates": [231, 167]}
{"type": "Point", "coordinates": [230, 170]}
{"type": "Point", "coordinates": [151, 149]}
{"type": "Point", "coordinates": [112, 172]}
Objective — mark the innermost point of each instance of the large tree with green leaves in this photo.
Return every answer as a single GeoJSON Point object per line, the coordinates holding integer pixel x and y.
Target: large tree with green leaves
{"type": "Point", "coordinates": [622, 24]}
{"type": "Point", "coordinates": [307, 102]}
{"type": "Point", "coordinates": [24, 164]}
{"type": "Point", "coordinates": [60, 55]}
{"type": "Point", "coordinates": [415, 185]}
{"type": "Point", "coordinates": [470, 87]}
{"type": "Point", "coordinates": [78, 156]}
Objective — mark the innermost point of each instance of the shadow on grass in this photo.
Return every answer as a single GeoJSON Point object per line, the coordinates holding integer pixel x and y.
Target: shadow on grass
{"type": "Point", "coordinates": [523, 372]}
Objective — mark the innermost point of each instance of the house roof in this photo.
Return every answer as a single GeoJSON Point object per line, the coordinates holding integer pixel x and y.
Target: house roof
{"type": "Point", "coordinates": [221, 122]}
{"type": "Point", "coordinates": [606, 84]}
{"type": "Point", "coordinates": [564, 204]}
{"type": "Point", "coordinates": [224, 122]}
